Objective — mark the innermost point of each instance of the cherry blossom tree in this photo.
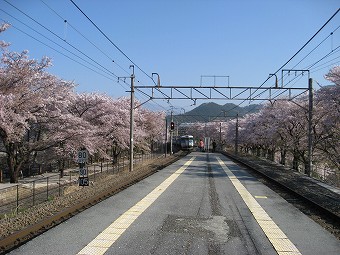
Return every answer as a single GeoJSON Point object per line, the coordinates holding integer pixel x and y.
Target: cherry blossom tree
{"type": "Point", "coordinates": [151, 128]}
{"type": "Point", "coordinates": [334, 75]}
{"type": "Point", "coordinates": [327, 120]}
{"type": "Point", "coordinates": [281, 126]}
{"type": "Point", "coordinates": [42, 119]}
{"type": "Point", "coordinates": [32, 107]}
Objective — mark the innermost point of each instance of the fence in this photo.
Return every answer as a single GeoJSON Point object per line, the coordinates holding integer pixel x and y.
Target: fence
{"type": "Point", "coordinates": [30, 193]}
{"type": "Point", "coordinates": [326, 175]}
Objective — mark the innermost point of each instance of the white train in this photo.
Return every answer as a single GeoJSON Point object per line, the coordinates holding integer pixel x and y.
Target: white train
{"type": "Point", "coordinates": [187, 142]}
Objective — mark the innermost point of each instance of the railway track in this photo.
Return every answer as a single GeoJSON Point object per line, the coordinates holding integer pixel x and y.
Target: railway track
{"type": "Point", "coordinates": [18, 238]}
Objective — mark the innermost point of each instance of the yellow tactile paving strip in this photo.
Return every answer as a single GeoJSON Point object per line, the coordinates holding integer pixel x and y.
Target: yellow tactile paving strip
{"type": "Point", "coordinates": [105, 239]}
{"type": "Point", "coordinates": [279, 240]}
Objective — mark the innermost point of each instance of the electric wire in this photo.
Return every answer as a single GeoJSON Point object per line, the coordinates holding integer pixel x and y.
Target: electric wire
{"type": "Point", "coordinates": [82, 35]}
{"type": "Point", "coordinates": [105, 54]}
{"type": "Point", "coordinates": [110, 40]}
{"type": "Point", "coordinates": [309, 40]}
{"type": "Point", "coordinates": [254, 91]}
{"type": "Point", "coordinates": [105, 70]}
{"type": "Point", "coordinates": [295, 53]}
{"type": "Point", "coordinates": [316, 47]}
{"type": "Point", "coordinates": [75, 48]}
{"type": "Point", "coordinates": [76, 61]}
{"type": "Point", "coordinates": [313, 70]}
{"type": "Point", "coordinates": [63, 54]}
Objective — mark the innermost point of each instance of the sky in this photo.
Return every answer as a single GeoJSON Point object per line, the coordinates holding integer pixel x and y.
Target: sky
{"type": "Point", "coordinates": [181, 40]}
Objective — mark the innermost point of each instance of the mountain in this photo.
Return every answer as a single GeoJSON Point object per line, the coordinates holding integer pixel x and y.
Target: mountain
{"type": "Point", "coordinates": [211, 112]}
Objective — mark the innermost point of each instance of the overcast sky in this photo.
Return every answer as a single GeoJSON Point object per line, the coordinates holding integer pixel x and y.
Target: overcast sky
{"type": "Point", "coordinates": [181, 40]}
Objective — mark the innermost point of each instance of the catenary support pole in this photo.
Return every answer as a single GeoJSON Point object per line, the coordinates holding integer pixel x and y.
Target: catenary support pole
{"type": "Point", "coordinates": [132, 117]}
{"type": "Point", "coordinates": [166, 136]}
{"type": "Point", "coordinates": [236, 135]}
{"type": "Point", "coordinates": [171, 135]}
{"type": "Point", "coordinates": [310, 127]}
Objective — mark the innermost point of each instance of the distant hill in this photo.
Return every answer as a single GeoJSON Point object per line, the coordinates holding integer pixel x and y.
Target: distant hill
{"type": "Point", "coordinates": [211, 112]}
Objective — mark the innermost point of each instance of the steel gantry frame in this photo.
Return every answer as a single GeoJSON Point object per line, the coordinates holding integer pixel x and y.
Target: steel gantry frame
{"type": "Point", "coordinates": [218, 92]}
{"type": "Point", "coordinates": [250, 93]}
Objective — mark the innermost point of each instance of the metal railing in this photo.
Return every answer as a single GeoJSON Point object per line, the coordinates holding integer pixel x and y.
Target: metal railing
{"type": "Point", "coordinates": [29, 193]}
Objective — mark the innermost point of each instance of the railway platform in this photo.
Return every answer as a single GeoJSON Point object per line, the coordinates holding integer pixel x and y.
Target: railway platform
{"type": "Point", "coordinates": [319, 193]}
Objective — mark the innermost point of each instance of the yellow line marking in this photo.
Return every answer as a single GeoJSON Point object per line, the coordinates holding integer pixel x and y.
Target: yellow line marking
{"type": "Point", "coordinates": [107, 237]}
{"type": "Point", "coordinates": [278, 239]}
{"type": "Point", "coordinates": [260, 197]}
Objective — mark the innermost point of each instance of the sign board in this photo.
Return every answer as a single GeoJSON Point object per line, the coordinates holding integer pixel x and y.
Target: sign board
{"type": "Point", "coordinates": [82, 156]}
{"type": "Point", "coordinates": [83, 171]}
{"type": "Point", "coordinates": [84, 181]}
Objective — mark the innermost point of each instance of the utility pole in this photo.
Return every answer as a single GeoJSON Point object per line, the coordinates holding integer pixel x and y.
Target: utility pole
{"type": "Point", "coordinates": [310, 127]}
{"type": "Point", "coordinates": [166, 136]}
{"type": "Point", "coordinates": [220, 136]}
{"type": "Point", "coordinates": [132, 116]}
{"type": "Point", "coordinates": [171, 135]}
{"type": "Point", "coordinates": [236, 135]}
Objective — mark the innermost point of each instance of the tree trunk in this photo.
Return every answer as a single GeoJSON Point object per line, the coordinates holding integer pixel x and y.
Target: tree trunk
{"type": "Point", "coordinates": [283, 154]}
{"type": "Point", "coordinates": [258, 151]}
{"type": "Point", "coordinates": [14, 161]}
{"type": "Point", "coordinates": [306, 168]}
{"type": "Point", "coordinates": [296, 158]}
{"type": "Point", "coordinates": [13, 171]}
{"type": "Point", "coordinates": [271, 154]}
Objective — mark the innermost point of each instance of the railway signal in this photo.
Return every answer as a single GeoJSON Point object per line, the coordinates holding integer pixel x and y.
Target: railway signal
{"type": "Point", "coordinates": [172, 125]}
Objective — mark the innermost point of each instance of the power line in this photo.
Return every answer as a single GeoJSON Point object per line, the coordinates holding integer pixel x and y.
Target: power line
{"type": "Point", "coordinates": [59, 51]}
{"type": "Point", "coordinates": [93, 44]}
{"type": "Point", "coordinates": [104, 68]}
{"type": "Point", "coordinates": [308, 40]}
{"type": "Point", "coordinates": [60, 38]}
{"type": "Point", "coordinates": [302, 47]}
{"type": "Point", "coordinates": [316, 47]}
{"type": "Point", "coordinates": [108, 72]}
{"type": "Point", "coordinates": [297, 52]}
{"type": "Point", "coordinates": [110, 40]}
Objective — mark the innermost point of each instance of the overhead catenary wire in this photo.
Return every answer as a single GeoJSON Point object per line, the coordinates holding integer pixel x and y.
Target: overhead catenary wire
{"type": "Point", "coordinates": [100, 36]}
{"type": "Point", "coordinates": [121, 51]}
{"type": "Point", "coordinates": [59, 51]}
{"type": "Point", "coordinates": [93, 44]}
{"type": "Point", "coordinates": [82, 35]}
{"type": "Point", "coordinates": [299, 50]}
{"type": "Point", "coordinates": [317, 47]}
{"type": "Point", "coordinates": [72, 46]}
{"type": "Point", "coordinates": [308, 40]}
{"type": "Point", "coordinates": [289, 60]}
{"type": "Point", "coordinates": [106, 71]}
{"type": "Point", "coordinates": [76, 61]}
{"type": "Point", "coordinates": [313, 69]}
